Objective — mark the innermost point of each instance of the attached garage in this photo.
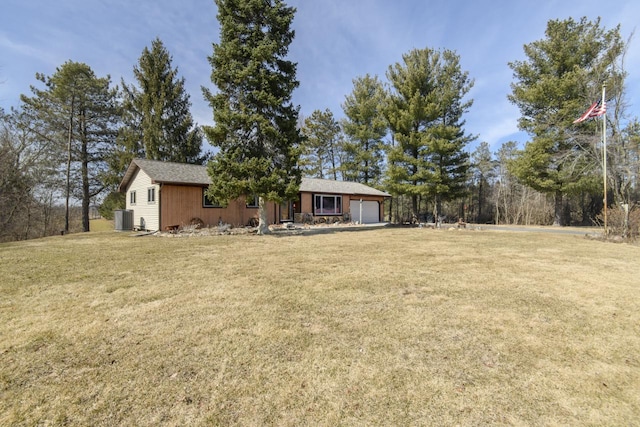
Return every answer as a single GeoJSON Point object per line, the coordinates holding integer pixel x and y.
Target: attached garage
{"type": "Point", "coordinates": [333, 201]}
{"type": "Point", "coordinates": [370, 211]}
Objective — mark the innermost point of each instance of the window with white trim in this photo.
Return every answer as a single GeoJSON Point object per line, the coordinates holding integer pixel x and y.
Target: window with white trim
{"type": "Point", "coordinates": [132, 197]}
{"type": "Point", "coordinates": [151, 194]}
{"type": "Point", "coordinates": [327, 204]}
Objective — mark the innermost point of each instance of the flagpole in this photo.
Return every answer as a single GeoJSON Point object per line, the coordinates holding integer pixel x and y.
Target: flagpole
{"type": "Point", "coordinates": [604, 158]}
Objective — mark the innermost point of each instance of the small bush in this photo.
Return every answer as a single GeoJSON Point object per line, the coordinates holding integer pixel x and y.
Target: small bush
{"type": "Point", "coordinates": [197, 223]}
{"type": "Point", "coordinates": [621, 224]}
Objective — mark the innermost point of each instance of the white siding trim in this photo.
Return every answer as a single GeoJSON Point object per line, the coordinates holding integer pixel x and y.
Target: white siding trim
{"type": "Point", "coordinates": [145, 215]}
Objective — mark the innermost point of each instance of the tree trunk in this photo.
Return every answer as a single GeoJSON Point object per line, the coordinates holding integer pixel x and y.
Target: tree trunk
{"type": "Point", "coordinates": [480, 201]}
{"type": "Point", "coordinates": [47, 209]}
{"type": "Point", "coordinates": [436, 205]}
{"type": "Point", "coordinates": [333, 166]}
{"type": "Point", "coordinates": [558, 218]}
{"type": "Point", "coordinates": [85, 196]}
{"type": "Point", "coordinates": [68, 183]}
{"type": "Point", "coordinates": [263, 224]}
{"type": "Point", "coordinates": [84, 157]}
{"type": "Point", "coordinates": [625, 227]}
{"type": "Point", "coordinates": [28, 225]}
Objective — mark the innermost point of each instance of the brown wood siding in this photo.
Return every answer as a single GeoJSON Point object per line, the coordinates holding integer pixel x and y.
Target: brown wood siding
{"type": "Point", "coordinates": [180, 204]}
{"type": "Point", "coordinates": [306, 203]}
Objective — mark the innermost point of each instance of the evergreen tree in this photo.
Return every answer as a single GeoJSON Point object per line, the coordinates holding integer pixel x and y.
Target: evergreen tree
{"type": "Point", "coordinates": [562, 75]}
{"type": "Point", "coordinates": [256, 123]}
{"type": "Point", "coordinates": [365, 128]}
{"type": "Point", "coordinates": [321, 148]}
{"type": "Point", "coordinates": [159, 125]}
{"type": "Point", "coordinates": [425, 116]}
{"type": "Point", "coordinates": [506, 183]}
{"type": "Point", "coordinates": [78, 113]}
{"type": "Point", "coordinates": [514, 202]}
{"type": "Point", "coordinates": [483, 169]}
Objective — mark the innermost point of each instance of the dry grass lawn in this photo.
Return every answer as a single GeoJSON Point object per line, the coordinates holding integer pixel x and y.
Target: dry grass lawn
{"type": "Point", "coordinates": [379, 327]}
{"type": "Point", "coordinates": [101, 224]}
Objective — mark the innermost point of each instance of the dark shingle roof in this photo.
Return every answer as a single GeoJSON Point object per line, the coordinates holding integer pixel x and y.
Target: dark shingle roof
{"type": "Point", "coordinates": [186, 174]}
{"type": "Point", "coordinates": [314, 185]}
{"type": "Point", "coordinates": [167, 173]}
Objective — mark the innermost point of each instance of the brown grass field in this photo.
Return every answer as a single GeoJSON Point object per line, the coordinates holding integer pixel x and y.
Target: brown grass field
{"type": "Point", "coordinates": [385, 327]}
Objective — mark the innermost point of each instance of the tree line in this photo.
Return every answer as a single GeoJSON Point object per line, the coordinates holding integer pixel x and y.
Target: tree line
{"type": "Point", "coordinates": [406, 136]}
{"type": "Point", "coordinates": [72, 138]}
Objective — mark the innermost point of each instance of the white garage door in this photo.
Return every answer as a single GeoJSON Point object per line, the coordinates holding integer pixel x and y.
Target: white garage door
{"type": "Point", "coordinates": [370, 211]}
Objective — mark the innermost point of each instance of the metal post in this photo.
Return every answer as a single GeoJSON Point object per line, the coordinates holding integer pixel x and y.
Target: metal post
{"type": "Point", "coordinates": [604, 157]}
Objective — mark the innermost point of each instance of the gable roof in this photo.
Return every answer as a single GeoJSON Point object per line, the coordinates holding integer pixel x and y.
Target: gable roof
{"type": "Point", "coordinates": [167, 173]}
{"type": "Point", "coordinates": [315, 185]}
{"type": "Point", "coordinates": [186, 174]}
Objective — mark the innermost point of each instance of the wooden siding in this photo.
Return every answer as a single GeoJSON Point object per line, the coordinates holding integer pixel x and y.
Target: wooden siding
{"type": "Point", "coordinates": [178, 205]}
{"type": "Point", "coordinates": [306, 203]}
{"type": "Point", "coordinates": [145, 214]}
{"type": "Point", "coordinates": [181, 204]}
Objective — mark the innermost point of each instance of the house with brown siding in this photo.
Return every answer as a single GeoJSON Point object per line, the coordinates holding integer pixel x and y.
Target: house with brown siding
{"type": "Point", "coordinates": [163, 195]}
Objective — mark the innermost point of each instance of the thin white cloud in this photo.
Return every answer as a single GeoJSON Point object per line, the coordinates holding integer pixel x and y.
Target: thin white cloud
{"type": "Point", "coordinates": [11, 47]}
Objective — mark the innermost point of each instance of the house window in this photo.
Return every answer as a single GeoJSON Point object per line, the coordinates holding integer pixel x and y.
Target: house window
{"type": "Point", "coordinates": [209, 202]}
{"type": "Point", "coordinates": [151, 194]}
{"type": "Point", "coordinates": [253, 201]}
{"type": "Point", "coordinates": [327, 205]}
{"type": "Point", "coordinates": [132, 197]}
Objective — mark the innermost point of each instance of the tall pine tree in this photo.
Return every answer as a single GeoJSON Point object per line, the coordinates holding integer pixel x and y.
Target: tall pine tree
{"type": "Point", "coordinates": [79, 114]}
{"type": "Point", "coordinates": [255, 121]}
{"type": "Point", "coordinates": [425, 111]}
{"type": "Point", "coordinates": [159, 124]}
{"type": "Point", "coordinates": [562, 75]}
{"type": "Point", "coordinates": [321, 152]}
{"type": "Point", "coordinates": [365, 128]}
{"type": "Point", "coordinates": [483, 171]}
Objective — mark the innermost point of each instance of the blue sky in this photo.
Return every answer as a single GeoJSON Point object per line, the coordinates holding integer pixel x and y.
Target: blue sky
{"type": "Point", "coordinates": [336, 41]}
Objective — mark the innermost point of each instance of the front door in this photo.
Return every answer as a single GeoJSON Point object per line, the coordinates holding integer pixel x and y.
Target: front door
{"type": "Point", "coordinates": [286, 212]}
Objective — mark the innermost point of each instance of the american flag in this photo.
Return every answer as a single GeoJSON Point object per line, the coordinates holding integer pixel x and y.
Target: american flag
{"type": "Point", "coordinates": [597, 109]}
